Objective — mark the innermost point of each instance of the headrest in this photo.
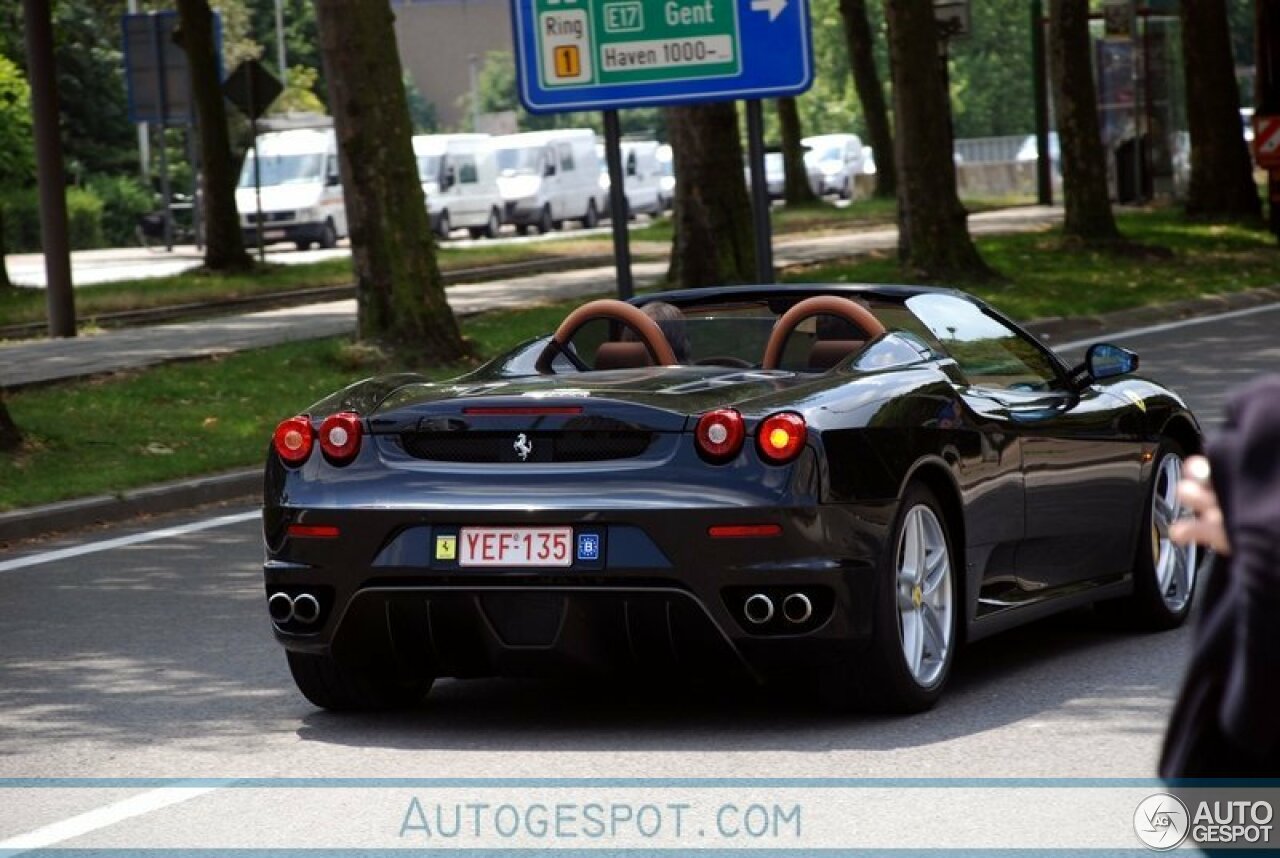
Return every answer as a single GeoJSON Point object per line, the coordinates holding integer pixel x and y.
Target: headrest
{"type": "Point", "coordinates": [622, 356]}
{"type": "Point", "coordinates": [827, 353]}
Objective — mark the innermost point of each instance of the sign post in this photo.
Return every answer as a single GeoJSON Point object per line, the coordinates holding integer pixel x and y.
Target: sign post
{"type": "Point", "coordinates": [252, 88]}
{"type": "Point", "coordinates": [613, 54]}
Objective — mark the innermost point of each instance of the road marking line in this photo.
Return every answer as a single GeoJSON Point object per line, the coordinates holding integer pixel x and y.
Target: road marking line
{"type": "Point", "coordinates": [1170, 326]}
{"type": "Point", "coordinates": [122, 541]}
{"type": "Point", "coordinates": [93, 820]}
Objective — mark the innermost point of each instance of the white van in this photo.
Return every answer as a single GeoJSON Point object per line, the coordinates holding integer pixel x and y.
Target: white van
{"type": "Point", "coordinates": [548, 177]}
{"type": "Point", "coordinates": [460, 182]}
{"type": "Point", "coordinates": [834, 162]}
{"type": "Point", "coordinates": [301, 193]}
{"type": "Point", "coordinates": [642, 173]}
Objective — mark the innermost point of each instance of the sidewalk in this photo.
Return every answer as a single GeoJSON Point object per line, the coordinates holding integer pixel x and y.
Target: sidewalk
{"type": "Point", "coordinates": [42, 361]}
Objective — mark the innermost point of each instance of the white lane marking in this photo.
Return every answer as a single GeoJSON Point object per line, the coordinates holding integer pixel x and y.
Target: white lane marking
{"type": "Point", "coordinates": [122, 541]}
{"type": "Point", "coordinates": [93, 820]}
{"type": "Point", "coordinates": [1168, 326]}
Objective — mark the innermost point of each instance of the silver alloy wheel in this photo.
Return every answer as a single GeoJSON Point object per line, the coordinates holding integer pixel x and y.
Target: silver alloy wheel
{"type": "Point", "coordinates": [1174, 565]}
{"type": "Point", "coordinates": [924, 595]}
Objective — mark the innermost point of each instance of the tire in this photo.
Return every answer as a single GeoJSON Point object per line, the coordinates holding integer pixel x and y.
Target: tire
{"type": "Point", "coordinates": [846, 192]}
{"type": "Point", "coordinates": [492, 226]}
{"type": "Point", "coordinates": [522, 229]}
{"type": "Point", "coordinates": [545, 223]}
{"type": "Point", "coordinates": [592, 218]}
{"type": "Point", "coordinates": [328, 236]}
{"type": "Point", "coordinates": [332, 685]}
{"type": "Point", "coordinates": [903, 670]}
{"type": "Point", "coordinates": [1164, 575]}
{"type": "Point", "coordinates": [443, 227]}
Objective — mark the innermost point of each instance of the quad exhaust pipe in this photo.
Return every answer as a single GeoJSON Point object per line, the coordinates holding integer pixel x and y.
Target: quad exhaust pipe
{"type": "Point", "coordinates": [305, 608]}
{"type": "Point", "coordinates": [758, 609]}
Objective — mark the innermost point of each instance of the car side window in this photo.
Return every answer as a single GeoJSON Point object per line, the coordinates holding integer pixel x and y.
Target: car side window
{"type": "Point", "coordinates": [989, 352]}
{"type": "Point", "coordinates": [467, 170]}
{"type": "Point", "coordinates": [566, 156]}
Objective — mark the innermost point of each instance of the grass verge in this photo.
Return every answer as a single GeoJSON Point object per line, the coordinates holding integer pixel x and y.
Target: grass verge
{"type": "Point", "coordinates": [202, 417]}
{"type": "Point", "coordinates": [1043, 278]}
{"type": "Point", "coordinates": [107, 435]}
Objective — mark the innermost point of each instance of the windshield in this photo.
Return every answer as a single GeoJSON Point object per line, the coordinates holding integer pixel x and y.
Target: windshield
{"type": "Point", "coordinates": [428, 168]}
{"type": "Point", "coordinates": [284, 170]}
{"type": "Point", "coordinates": [517, 162]}
{"type": "Point", "coordinates": [830, 153]}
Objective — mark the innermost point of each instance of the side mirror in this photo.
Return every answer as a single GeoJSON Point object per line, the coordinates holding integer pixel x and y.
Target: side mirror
{"type": "Point", "coordinates": [1104, 360]}
{"type": "Point", "coordinates": [447, 179]}
{"type": "Point", "coordinates": [332, 181]}
{"type": "Point", "coordinates": [549, 169]}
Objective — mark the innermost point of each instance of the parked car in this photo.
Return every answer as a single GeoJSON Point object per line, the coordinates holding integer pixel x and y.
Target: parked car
{"type": "Point", "coordinates": [548, 177]}
{"type": "Point", "coordinates": [1028, 151]}
{"type": "Point", "coordinates": [301, 192]}
{"type": "Point", "coordinates": [667, 183]}
{"type": "Point", "coordinates": [642, 172]}
{"type": "Point", "coordinates": [834, 161]}
{"type": "Point", "coordinates": [460, 180]}
{"type": "Point", "coordinates": [833, 485]}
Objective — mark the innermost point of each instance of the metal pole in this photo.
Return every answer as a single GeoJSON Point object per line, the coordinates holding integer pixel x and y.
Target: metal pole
{"type": "Point", "coordinates": [193, 158]}
{"type": "Point", "coordinates": [257, 167]}
{"type": "Point", "coordinates": [473, 73]}
{"type": "Point", "coordinates": [59, 297]}
{"type": "Point", "coordinates": [618, 204]}
{"type": "Point", "coordinates": [759, 193]}
{"type": "Point", "coordinates": [157, 47]}
{"type": "Point", "coordinates": [144, 133]}
{"type": "Point", "coordinates": [280, 57]}
{"type": "Point", "coordinates": [1040, 92]}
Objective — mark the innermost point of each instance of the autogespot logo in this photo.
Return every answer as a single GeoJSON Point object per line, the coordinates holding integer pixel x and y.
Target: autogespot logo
{"type": "Point", "coordinates": [1161, 821]}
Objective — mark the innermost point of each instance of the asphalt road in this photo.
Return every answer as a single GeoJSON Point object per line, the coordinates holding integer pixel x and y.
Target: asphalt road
{"type": "Point", "coordinates": [154, 659]}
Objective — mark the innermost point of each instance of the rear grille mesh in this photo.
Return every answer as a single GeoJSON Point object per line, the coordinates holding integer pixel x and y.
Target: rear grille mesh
{"type": "Point", "coordinates": [496, 447]}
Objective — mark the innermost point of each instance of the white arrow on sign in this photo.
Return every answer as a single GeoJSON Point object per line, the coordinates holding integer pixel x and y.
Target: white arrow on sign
{"type": "Point", "coordinates": [773, 7]}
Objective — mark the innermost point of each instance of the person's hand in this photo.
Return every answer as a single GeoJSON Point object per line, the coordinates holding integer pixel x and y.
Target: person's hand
{"type": "Point", "coordinates": [1196, 494]}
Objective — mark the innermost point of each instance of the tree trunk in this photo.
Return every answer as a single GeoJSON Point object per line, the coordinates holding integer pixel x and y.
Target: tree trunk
{"type": "Point", "coordinates": [400, 294]}
{"type": "Point", "coordinates": [224, 244]}
{"type": "Point", "coordinates": [796, 190]}
{"type": "Point", "coordinates": [5, 282]}
{"type": "Point", "coordinates": [10, 437]}
{"type": "Point", "coordinates": [712, 241]}
{"type": "Point", "coordinates": [866, 79]}
{"type": "Point", "coordinates": [1221, 171]}
{"type": "Point", "coordinates": [934, 238]}
{"type": "Point", "coordinates": [1088, 216]}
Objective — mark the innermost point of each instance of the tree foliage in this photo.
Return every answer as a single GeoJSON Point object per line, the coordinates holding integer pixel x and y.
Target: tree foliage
{"type": "Point", "coordinates": [17, 159]}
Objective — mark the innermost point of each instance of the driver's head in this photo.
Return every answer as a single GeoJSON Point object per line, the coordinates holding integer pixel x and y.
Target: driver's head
{"type": "Point", "coordinates": [672, 324]}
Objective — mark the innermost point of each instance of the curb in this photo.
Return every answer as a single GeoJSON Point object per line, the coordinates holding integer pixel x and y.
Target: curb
{"type": "Point", "coordinates": [149, 500]}
{"type": "Point", "coordinates": [247, 484]}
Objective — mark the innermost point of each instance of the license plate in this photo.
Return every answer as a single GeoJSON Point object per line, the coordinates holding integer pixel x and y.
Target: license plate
{"type": "Point", "coordinates": [515, 546]}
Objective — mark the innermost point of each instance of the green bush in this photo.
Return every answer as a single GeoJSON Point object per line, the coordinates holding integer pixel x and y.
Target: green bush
{"type": "Point", "coordinates": [22, 220]}
{"type": "Point", "coordinates": [124, 200]}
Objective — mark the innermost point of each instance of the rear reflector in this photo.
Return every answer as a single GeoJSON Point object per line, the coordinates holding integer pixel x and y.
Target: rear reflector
{"type": "Point", "coordinates": [743, 531]}
{"type": "Point", "coordinates": [520, 410]}
{"type": "Point", "coordinates": [313, 531]}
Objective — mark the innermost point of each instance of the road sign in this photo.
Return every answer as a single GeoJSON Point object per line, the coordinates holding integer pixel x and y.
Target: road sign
{"type": "Point", "coordinates": [252, 88]}
{"type": "Point", "coordinates": [155, 69]}
{"type": "Point", "coordinates": [609, 54]}
{"type": "Point", "coordinates": [1266, 141]}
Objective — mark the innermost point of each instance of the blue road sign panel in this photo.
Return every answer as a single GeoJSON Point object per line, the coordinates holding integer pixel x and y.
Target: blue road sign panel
{"type": "Point", "coordinates": [607, 54]}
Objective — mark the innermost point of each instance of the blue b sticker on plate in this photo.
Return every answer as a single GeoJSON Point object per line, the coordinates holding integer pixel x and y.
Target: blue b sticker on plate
{"type": "Point", "coordinates": [588, 546]}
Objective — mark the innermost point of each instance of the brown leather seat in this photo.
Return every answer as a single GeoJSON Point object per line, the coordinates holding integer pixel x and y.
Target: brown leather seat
{"type": "Point", "coordinates": [827, 353]}
{"type": "Point", "coordinates": [624, 355]}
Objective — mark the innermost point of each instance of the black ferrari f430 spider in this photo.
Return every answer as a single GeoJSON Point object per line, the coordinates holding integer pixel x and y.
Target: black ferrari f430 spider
{"type": "Point", "coordinates": [838, 485]}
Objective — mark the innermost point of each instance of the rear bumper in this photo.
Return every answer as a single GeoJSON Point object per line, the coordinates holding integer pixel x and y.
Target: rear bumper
{"type": "Point", "coordinates": [663, 595]}
{"type": "Point", "coordinates": [272, 232]}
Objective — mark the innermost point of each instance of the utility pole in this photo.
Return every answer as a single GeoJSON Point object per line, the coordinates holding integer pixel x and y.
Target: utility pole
{"type": "Point", "coordinates": [144, 133]}
{"type": "Point", "coordinates": [280, 54]}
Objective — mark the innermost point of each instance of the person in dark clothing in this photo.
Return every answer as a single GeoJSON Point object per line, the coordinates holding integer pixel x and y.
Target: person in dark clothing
{"type": "Point", "coordinates": [1224, 723]}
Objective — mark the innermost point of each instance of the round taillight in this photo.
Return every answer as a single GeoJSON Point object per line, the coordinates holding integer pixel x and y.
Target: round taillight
{"type": "Point", "coordinates": [340, 437]}
{"type": "Point", "coordinates": [293, 440]}
{"type": "Point", "coordinates": [719, 434]}
{"type": "Point", "coordinates": [780, 437]}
